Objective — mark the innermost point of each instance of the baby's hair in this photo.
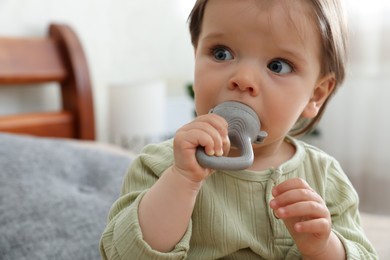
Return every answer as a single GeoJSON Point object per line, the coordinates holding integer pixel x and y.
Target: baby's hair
{"type": "Point", "coordinates": [331, 23]}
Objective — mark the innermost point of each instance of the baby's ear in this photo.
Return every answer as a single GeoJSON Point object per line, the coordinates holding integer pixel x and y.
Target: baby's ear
{"type": "Point", "coordinates": [321, 92]}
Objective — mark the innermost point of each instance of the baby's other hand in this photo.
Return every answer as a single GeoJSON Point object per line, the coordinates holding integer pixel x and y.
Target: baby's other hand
{"type": "Point", "coordinates": [305, 215]}
{"type": "Point", "coordinates": [209, 131]}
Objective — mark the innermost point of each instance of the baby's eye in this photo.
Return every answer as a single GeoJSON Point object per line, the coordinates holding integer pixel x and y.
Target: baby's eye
{"type": "Point", "coordinates": [279, 66]}
{"type": "Point", "coordinates": [222, 54]}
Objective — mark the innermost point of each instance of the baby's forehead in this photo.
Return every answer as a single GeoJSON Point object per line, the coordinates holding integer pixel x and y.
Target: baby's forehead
{"type": "Point", "coordinates": [296, 12]}
{"type": "Point", "coordinates": [299, 14]}
{"type": "Point", "coordinates": [294, 17]}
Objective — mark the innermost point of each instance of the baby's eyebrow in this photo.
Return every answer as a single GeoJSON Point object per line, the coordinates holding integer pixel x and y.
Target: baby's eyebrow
{"type": "Point", "coordinates": [293, 53]}
{"type": "Point", "coordinates": [213, 36]}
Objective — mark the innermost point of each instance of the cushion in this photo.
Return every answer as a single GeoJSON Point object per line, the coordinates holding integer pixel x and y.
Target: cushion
{"type": "Point", "coordinates": [55, 197]}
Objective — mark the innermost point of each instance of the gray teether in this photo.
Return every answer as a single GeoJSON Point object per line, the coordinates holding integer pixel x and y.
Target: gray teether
{"type": "Point", "coordinates": [243, 128]}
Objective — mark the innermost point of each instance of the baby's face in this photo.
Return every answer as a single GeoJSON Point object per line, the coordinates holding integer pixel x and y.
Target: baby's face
{"type": "Point", "coordinates": [265, 54]}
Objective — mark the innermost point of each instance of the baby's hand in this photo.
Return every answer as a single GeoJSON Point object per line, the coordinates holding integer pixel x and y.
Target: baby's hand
{"type": "Point", "coordinates": [305, 215]}
{"type": "Point", "coordinates": [209, 131]}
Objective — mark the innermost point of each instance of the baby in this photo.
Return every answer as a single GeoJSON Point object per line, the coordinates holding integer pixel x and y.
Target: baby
{"type": "Point", "coordinates": [284, 59]}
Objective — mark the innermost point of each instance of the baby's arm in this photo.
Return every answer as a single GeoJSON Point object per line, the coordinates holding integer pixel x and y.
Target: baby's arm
{"type": "Point", "coordinates": [173, 196]}
{"type": "Point", "coordinates": [308, 220]}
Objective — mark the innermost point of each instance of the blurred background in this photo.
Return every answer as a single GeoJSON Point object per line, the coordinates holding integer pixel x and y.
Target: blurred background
{"type": "Point", "coordinates": [140, 51]}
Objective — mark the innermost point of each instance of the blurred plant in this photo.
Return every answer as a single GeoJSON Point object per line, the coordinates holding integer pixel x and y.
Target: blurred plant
{"type": "Point", "coordinates": [191, 93]}
{"type": "Point", "coordinates": [190, 90]}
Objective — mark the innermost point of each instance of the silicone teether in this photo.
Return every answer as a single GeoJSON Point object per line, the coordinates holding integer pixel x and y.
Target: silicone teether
{"type": "Point", "coordinates": [243, 128]}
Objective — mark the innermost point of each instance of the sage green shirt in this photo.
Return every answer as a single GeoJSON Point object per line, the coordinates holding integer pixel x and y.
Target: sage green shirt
{"type": "Point", "coordinates": [232, 218]}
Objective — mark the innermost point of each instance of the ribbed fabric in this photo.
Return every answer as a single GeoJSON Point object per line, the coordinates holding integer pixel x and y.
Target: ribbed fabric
{"type": "Point", "coordinates": [232, 218]}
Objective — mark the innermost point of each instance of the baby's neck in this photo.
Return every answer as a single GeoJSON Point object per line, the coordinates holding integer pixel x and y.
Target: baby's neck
{"type": "Point", "coordinates": [272, 155]}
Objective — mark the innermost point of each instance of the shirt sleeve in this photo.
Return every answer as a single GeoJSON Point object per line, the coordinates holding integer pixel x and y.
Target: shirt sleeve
{"type": "Point", "coordinates": [342, 201]}
{"type": "Point", "coordinates": [122, 237]}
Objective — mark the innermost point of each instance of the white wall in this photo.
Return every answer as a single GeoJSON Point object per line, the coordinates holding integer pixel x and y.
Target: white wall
{"type": "Point", "coordinates": [125, 41]}
{"type": "Point", "coordinates": [356, 125]}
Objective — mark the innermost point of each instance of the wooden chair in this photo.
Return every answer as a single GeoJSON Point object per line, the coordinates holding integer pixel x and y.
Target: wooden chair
{"type": "Point", "coordinates": [59, 58]}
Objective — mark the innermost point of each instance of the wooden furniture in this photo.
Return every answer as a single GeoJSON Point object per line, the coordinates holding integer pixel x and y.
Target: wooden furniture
{"type": "Point", "coordinates": [59, 58]}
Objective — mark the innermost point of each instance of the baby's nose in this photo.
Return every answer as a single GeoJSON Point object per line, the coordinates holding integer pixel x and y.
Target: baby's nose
{"type": "Point", "coordinates": [246, 78]}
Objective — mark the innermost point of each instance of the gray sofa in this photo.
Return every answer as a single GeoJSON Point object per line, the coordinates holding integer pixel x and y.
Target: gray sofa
{"type": "Point", "coordinates": [55, 196]}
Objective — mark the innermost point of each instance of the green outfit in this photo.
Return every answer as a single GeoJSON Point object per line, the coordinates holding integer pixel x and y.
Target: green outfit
{"type": "Point", "coordinates": [232, 218]}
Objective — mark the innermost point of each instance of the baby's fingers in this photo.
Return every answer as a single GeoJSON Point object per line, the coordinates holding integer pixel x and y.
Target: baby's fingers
{"type": "Point", "coordinates": [314, 226]}
{"type": "Point", "coordinates": [200, 134]}
{"type": "Point", "coordinates": [307, 209]}
{"type": "Point", "coordinates": [209, 131]}
{"type": "Point", "coordinates": [290, 184]}
{"type": "Point", "coordinates": [216, 127]}
{"type": "Point", "coordinates": [293, 196]}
